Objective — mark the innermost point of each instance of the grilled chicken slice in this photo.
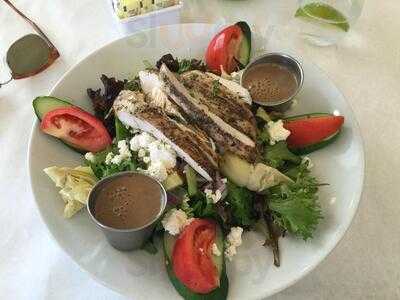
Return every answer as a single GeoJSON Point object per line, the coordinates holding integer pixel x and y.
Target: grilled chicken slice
{"type": "Point", "coordinates": [151, 86]}
{"type": "Point", "coordinates": [218, 120]}
{"type": "Point", "coordinates": [233, 87]}
{"type": "Point", "coordinates": [221, 101]}
{"type": "Point", "coordinates": [189, 143]}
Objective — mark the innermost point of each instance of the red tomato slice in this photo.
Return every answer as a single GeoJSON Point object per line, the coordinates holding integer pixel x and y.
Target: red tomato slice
{"type": "Point", "coordinates": [309, 131]}
{"type": "Point", "coordinates": [223, 49]}
{"type": "Point", "coordinates": [76, 127]}
{"type": "Point", "coordinates": [191, 257]}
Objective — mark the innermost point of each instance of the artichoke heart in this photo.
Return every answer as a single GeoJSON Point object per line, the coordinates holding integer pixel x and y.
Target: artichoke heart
{"type": "Point", "coordinates": [75, 183]}
{"type": "Point", "coordinates": [255, 177]}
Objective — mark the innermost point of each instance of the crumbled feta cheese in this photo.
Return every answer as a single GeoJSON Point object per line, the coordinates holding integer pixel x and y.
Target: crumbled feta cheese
{"type": "Point", "coordinates": [159, 152]}
{"type": "Point", "coordinates": [157, 170]}
{"type": "Point", "coordinates": [230, 252]}
{"type": "Point", "coordinates": [116, 160]}
{"type": "Point", "coordinates": [277, 132]}
{"type": "Point", "coordinates": [159, 156]}
{"type": "Point", "coordinates": [215, 250]}
{"type": "Point", "coordinates": [141, 153]}
{"type": "Point", "coordinates": [124, 153]}
{"type": "Point", "coordinates": [307, 160]}
{"type": "Point", "coordinates": [233, 240]}
{"type": "Point", "coordinates": [213, 196]}
{"type": "Point", "coordinates": [175, 220]}
{"type": "Point", "coordinates": [141, 140]}
{"type": "Point", "coordinates": [90, 157]}
{"type": "Point", "coordinates": [109, 157]}
{"type": "Point", "coordinates": [124, 149]}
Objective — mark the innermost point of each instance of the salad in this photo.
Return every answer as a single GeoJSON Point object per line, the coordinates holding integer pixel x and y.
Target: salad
{"type": "Point", "coordinates": [228, 165]}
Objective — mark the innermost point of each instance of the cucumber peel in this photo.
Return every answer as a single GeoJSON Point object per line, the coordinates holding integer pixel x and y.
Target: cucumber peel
{"type": "Point", "coordinates": [311, 148]}
{"type": "Point", "coordinates": [245, 48]}
{"type": "Point", "coordinates": [44, 104]}
{"type": "Point", "coordinates": [307, 116]}
{"type": "Point", "coordinates": [219, 293]}
{"type": "Point", "coordinates": [316, 146]}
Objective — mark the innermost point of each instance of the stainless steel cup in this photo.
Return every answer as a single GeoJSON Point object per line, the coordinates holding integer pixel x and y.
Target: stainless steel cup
{"type": "Point", "coordinates": [125, 239]}
{"type": "Point", "coordinates": [289, 62]}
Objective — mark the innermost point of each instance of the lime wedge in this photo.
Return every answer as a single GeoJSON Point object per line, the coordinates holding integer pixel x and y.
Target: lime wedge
{"type": "Point", "coordinates": [323, 12]}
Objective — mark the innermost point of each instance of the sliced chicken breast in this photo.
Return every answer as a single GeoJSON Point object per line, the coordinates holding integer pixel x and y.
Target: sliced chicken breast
{"type": "Point", "coordinates": [233, 87]}
{"type": "Point", "coordinates": [151, 86]}
{"type": "Point", "coordinates": [226, 126]}
{"type": "Point", "coordinates": [190, 143]}
{"type": "Point", "coordinates": [221, 101]}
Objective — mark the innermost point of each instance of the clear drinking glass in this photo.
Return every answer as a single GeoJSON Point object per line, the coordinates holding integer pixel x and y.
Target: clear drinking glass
{"type": "Point", "coordinates": [325, 22]}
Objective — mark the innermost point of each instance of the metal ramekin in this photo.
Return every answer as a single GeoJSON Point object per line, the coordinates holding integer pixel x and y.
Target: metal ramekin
{"type": "Point", "coordinates": [125, 239]}
{"type": "Point", "coordinates": [282, 59]}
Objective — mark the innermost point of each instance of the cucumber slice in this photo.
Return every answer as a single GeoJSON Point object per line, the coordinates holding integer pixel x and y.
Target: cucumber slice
{"type": "Point", "coordinates": [169, 243]}
{"type": "Point", "coordinates": [311, 148]}
{"type": "Point", "coordinates": [220, 293]}
{"type": "Point", "coordinates": [43, 104]}
{"type": "Point", "coordinates": [307, 116]}
{"type": "Point", "coordinates": [245, 47]}
{"type": "Point", "coordinates": [191, 179]}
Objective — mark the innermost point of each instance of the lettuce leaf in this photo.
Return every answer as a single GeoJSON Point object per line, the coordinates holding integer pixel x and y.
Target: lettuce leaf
{"type": "Point", "coordinates": [278, 155]}
{"type": "Point", "coordinates": [102, 170]}
{"type": "Point", "coordinates": [240, 201]}
{"type": "Point", "coordinates": [294, 205]}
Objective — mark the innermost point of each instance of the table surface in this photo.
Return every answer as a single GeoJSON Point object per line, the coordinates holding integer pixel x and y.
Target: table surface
{"type": "Point", "coordinates": [365, 66]}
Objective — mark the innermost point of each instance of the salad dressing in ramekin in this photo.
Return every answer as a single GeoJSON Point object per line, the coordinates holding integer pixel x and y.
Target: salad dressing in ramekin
{"type": "Point", "coordinates": [270, 82]}
{"type": "Point", "coordinates": [128, 202]}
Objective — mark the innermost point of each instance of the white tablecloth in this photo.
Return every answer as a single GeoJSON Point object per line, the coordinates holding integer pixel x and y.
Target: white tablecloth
{"type": "Point", "coordinates": [365, 66]}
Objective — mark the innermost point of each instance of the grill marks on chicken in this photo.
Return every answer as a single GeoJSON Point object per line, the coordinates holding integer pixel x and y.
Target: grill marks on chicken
{"type": "Point", "coordinates": [221, 101]}
{"type": "Point", "coordinates": [190, 143]}
{"type": "Point", "coordinates": [225, 125]}
{"type": "Point", "coordinates": [190, 113]}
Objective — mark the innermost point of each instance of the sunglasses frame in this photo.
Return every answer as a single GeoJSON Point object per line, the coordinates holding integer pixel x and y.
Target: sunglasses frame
{"type": "Point", "coordinates": [53, 55]}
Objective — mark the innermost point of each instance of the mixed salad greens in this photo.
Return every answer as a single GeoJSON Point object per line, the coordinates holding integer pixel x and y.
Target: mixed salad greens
{"type": "Point", "coordinates": [275, 196]}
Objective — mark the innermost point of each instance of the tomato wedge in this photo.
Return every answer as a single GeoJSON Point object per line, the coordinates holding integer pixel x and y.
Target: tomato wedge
{"type": "Point", "coordinates": [311, 130]}
{"type": "Point", "coordinates": [192, 257]}
{"type": "Point", "coordinates": [77, 128]}
{"type": "Point", "coordinates": [229, 49]}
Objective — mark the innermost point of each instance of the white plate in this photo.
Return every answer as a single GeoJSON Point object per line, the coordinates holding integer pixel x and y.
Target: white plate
{"type": "Point", "coordinates": [252, 274]}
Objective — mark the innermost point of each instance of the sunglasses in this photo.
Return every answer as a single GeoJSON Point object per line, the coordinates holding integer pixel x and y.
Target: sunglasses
{"type": "Point", "coordinates": [30, 54]}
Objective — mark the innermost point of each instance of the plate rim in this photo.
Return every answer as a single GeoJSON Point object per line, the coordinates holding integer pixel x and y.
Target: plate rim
{"type": "Point", "coordinates": [304, 272]}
